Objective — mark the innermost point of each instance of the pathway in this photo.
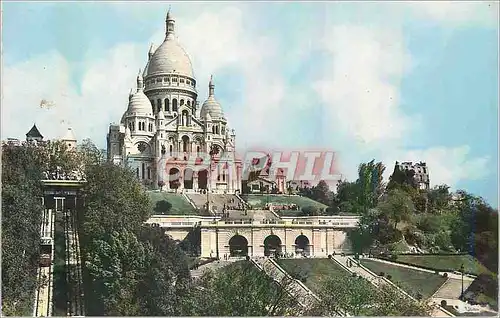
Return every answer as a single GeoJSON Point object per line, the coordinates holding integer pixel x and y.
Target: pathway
{"type": "Point", "coordinates": [450, 274]}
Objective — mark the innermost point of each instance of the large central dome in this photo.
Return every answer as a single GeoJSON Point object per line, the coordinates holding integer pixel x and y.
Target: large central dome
{"type": "Point", "coordinates": [170, 57]}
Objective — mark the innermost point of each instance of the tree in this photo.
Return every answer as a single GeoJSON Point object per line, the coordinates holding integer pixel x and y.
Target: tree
{"type": "Point", "coordinates": [21, 220]}
{"type": "Point", "coordinates": [398, 206]}
{"type": "Point", "coordinates": [239, 290]}
{"type": "Point", "coordinates": [321, 193]}
{"type": "Point", "coordinates": [346, 294]}
{"type": "Point", "coordinates": [309, 210]}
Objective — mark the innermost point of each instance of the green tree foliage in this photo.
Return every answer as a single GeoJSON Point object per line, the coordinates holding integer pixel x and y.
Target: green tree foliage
{"type": "Point", "coordinates": [402, 179]}
{"type": "Point", "coordinates": [309, 210]}
{"type": "Point", "coordinates": [358, 297]}
{"type": "Point", "coordinates": [130, 268]}
{"type": "Point", "coordinates": [397, 207]}
{"type": "Point", "coordinates": [21, 219]}
{"type": "Point", "coordinates": [239, 290]}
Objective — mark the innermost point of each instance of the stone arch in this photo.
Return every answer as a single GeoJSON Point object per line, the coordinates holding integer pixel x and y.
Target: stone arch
{"type": "Point", "coordinates": [188, 178]}
{"type": "Point", "coordinates": [167, 105]}
{"type": "Point", "coordinates": [174, 105]}
{"type": "Point", "coordinates": [174, 178]}
{"type": "Point", "coordinates": [238, 245]}
{"type": "Point", "coordinates": [202, 179]}
{"type": "Point", "coordinates": [185, 144]}
{"type": "Point", "coordinates": [302, 245]}
{"type": "Point", "coordinates": [272, 245]}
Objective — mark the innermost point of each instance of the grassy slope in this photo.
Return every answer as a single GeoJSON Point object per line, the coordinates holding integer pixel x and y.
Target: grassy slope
{"type": "Point", "coordinates": [179, 205]}
{"type": "Point", "coordinates": [315, 269]}
{"type": "Point", "coordinates": [259, 201]}
{"type": "Point", "coordinates": [410, 280]}
{"type": "Point", "coordinates": [445, 262]}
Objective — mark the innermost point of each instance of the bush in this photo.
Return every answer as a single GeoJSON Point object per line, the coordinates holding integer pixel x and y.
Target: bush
{"type": "Point", "coordinates": [389, 277]}
{"type": "Point", "coordinates": [444, 303]}
{"type": "Point", "coordinates": [394, 257]}
{"type": "Point", "coordinates": [330, 256]}
{"type": "Point", "coordinates": [381, 274]}
{"type": "Point", "coordinates": [419, 296]}
{"type": "Point", "coordinates": [247, 258]}
{"type": "Point", "coordinates": [354, 274]}
{"type": "Point", "coordinates": [445, 275]}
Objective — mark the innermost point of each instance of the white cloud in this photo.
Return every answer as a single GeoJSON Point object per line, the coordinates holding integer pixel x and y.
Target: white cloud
{"type": "Point", "coordinates": [214, 39]}
{"type": "Point", "coordinates": [360, 89]}
{"type": "Point", "coordinates": [446, 165]}
{"type": "Point", "coordinates": [484, 13]}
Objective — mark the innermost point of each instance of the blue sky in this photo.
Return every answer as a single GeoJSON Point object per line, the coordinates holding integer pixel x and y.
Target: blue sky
{"type": "Point", "coordinates": [416, 81]}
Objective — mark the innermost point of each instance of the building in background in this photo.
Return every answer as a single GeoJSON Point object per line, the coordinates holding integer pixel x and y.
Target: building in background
{"type": "Point", "coordinates": [421, 172]}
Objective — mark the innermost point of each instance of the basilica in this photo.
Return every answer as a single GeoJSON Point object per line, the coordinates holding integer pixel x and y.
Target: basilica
{"type": "Point", "coordinates": [163, 129]}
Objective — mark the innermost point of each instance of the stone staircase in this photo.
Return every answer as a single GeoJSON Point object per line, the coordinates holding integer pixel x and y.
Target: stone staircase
{"type": "Point", "coordinates": [215, 265]}
{"type": "Point", "coordinates": [295, 288]}
{"type": "Point", "coordinates": [451, 289]}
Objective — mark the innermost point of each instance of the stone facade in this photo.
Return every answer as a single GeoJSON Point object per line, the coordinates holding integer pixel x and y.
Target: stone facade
{"type": "Point", "coordinates": [163, 130]}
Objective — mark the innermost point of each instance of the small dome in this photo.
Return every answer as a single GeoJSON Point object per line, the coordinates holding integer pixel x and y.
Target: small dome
{"type": "Point", "coordinates": [211, 105]}
{"type": "Point", "coordinates": [69, 136]}
{"type": "Point", "coordinates": [138, 102]}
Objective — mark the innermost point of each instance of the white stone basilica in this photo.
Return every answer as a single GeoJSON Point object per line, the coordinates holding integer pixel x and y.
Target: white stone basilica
{"type": "Point", "coordinates": [163, 129]}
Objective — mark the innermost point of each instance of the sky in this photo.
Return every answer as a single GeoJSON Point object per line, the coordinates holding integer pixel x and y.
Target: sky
{"type": "Point", "coordinates": [406, 81]}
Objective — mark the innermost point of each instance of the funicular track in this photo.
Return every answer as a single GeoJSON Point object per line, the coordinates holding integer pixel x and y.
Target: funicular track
{"type": "Point", "coordinates": [44, 290]}
{"type": "Point", "coordinates": [75, 304]}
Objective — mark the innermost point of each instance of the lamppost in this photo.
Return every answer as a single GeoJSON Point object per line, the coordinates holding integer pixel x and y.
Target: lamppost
{"type": "Point", "coordinates": [462, 271]}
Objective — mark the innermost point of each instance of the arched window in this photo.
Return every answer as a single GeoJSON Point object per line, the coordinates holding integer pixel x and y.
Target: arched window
{"type": "Point", "coordinates": [198, 149]}
{"type": "Point", "coordinates": [213, 129]}
{"type": "Point", "coordinates": [149, 173]}
{"type": "Point", "coordinates": [171, 149]}
{"type": "Point", "coordinates": [217, 130]}
{"type": "Point", "coordinates": [167, 105]}
{"type": "Point", "coordinates": [185, 143]}
{"type": "Point", "coordinates": [189, 103]}
{"type": "Point", "coordinates": [174, 105]}
{"type": "Point", "coordinates": [143, 170]}
{"type": "Point", "coordinates": [158, 103]}
{"type": "Point", "coordinates": [182, 102]}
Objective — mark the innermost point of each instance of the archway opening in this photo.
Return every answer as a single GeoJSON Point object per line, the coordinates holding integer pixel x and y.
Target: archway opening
{"type": "Point", "coordinates": [302, 246]}
{"type": "Point", "coordinates": [185, 144]}
{"type": "Point", "coordinates": [272, 245]}
{"type": "Point", "coordinates": [173, 178]}
{"type": "Point", "coordinates": [238, 246]}
{"type": "Point", "coordinates": [202, 179]}
{"type": "Point", "coordinates": [188, 179]}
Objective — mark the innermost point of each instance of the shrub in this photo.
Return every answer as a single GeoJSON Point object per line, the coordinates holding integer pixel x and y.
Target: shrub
{"type": "Point", "coordinates": [445, 275]}
{"type": "Point", "coordinates": [330, 256]}
{"type": "Point", "coordinates": [389, 277]}
{"type": "Point", "coordinates": [247, 258]}
{"type": "Point", "coordinates": [444, 303]}
{"type": "Point", "coordinates": [381, 274]}
{"type": "Point", "coordinates": [354, 274]}
{"type": "Point", "coordinates": [394, 257]}
{"type": "Point", "coordinates": [419, 296]}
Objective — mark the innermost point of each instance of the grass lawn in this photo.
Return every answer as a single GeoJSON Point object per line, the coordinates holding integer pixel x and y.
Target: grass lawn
{"type": "Point", "coordinates": [170, 204]}
{"type": "Point", "coordinates": [316, 270]}
{"type": "Point", "coordinates": [410, 280]}
{"type": "Point", "coordinates": [260, 200]}
{"type": "Point", "coordinates": [445, 262]}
